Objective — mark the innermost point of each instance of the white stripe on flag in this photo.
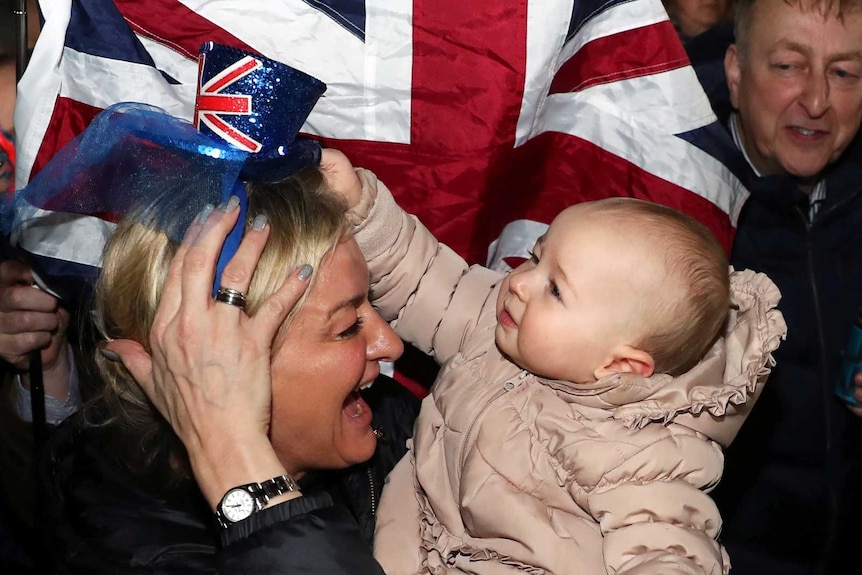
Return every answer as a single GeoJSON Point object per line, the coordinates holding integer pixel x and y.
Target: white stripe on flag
{"type": "Point", "coordinates": [183, 70]}
{"type": "Point", "coordinates": [672, 102]}
{"type": "Point", "coordinates": [661, 154]}
{"type": "Point", "coordinates": [368, 84]}
{"type": "Point", "coordinates": [40, 84]}
{"type": "Point", "coordinates": [63, 236]}
{"type": "Point", "coordinates": [547, 53]}
{"type": "Point", "coordinates": [388, 70]}
{"type": "Point", "coordinates": [101, 82]}
{"type": "Point", "coordinates": [619, 18]}
{"type": "Point", "coordinates": [545, 38]}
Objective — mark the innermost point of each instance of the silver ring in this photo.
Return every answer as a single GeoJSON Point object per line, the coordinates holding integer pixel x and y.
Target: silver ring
{"type": "Point", "coordinates": [231, 297]}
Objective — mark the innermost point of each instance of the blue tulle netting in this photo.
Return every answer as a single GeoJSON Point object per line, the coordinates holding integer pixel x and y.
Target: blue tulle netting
{"type": "Point", "coordinates": [133, 160]}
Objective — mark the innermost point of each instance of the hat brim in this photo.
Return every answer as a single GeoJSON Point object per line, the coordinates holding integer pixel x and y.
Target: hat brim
{"type": "Point", "coordinates": [300, 154]}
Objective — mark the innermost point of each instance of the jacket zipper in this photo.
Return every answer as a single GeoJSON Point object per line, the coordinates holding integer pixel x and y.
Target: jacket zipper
{"type": "Point", "coordinates": [825, 384]}
{"type": "Point", "coordinates": [507, 387]}
{"type": "Point", "coordinates": [373, 492]}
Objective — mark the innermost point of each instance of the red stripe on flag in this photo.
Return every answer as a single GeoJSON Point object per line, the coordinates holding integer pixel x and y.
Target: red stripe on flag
{"type": "Point", "coordinates": [68, 119]}
{"type": "Point", "coordinates": [576, 170]}
{"type": "Point", "coordinates": [611, 58]}
{"type": "Point", "coordinates": [535, 181]}
{"type": "Point", "coordinates": [468, 77]}
{"type": "Point", "coordinates": [172, 24]}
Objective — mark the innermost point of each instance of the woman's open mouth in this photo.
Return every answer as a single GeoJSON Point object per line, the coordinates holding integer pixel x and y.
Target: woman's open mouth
{"type": "Point", "coordinates": [355, 409]}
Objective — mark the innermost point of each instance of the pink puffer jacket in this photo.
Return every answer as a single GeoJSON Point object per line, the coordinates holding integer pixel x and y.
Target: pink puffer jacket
{"type": "Point", "coordinates": [510, 473]}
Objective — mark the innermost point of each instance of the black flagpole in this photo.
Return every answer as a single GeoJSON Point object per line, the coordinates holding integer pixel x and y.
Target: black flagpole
{"type": "Point", "coordinates": [21, 38]}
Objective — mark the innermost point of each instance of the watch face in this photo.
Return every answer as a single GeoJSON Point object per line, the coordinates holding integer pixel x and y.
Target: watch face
{"type": "Point", "coordinates": [237, 505]}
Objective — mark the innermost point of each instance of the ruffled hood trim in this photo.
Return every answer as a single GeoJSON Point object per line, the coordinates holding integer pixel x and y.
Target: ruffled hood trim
{"type": "Point", "coordinates": [716, 395]}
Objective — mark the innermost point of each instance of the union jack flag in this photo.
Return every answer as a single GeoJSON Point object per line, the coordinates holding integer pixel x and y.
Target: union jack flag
{"type": "Point", "coordinates": [485, 117]}
{"type": "Point", "coordinates": [211, 103]}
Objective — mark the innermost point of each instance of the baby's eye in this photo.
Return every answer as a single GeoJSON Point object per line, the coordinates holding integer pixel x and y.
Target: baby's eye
{"type": "Point", "coordinates": [533, 257]}
{"type": "Point", "coordinates": [554, 290]}
{"type": "Point", "coordinates": [352, 330]}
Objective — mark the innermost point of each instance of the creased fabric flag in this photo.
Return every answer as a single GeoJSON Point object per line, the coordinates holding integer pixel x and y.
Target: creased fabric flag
{"type": "Point", "coordinates": [486, 117]}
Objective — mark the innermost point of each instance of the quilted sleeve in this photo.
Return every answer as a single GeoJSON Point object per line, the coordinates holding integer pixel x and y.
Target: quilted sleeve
{"type": "Point", "coordinates": [674, 532]}
{"type": "Point", "coordinates": [428, 293]}
{"type": "Point", "coordinates": [648, 491]}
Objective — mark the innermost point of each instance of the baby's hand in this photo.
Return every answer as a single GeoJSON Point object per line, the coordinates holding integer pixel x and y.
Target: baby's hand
{"type": "Point", "coordinates": [340, 176]}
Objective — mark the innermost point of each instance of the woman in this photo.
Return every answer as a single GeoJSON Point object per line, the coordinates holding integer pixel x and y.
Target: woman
{"type": "Point", "coordinates": [130, 497]}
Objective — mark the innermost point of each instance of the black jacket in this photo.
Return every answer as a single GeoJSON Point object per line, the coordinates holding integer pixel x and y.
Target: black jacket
{"type": "Point", "coordinates": [107, 522]}
{"type": "Point", "coordinates": [789, 492]}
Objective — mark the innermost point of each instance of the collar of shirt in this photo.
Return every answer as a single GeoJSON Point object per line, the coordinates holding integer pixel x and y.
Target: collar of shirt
{"type": "Point", "coordinates": [818, 193]}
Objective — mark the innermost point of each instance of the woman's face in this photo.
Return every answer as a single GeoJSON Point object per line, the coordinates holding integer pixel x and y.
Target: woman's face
{"type": "Point", "coordinates": [329, 350]}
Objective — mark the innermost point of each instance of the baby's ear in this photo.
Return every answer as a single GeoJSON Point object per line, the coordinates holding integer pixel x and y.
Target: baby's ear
{"type": "Point", "coordinates": [627, 360]}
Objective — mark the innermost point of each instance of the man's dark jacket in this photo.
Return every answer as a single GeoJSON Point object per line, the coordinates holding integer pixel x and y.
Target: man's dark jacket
{"type": "Point", "coordinates": [790, 495]}
{"type": "Point", "coordinates": [106, 521]}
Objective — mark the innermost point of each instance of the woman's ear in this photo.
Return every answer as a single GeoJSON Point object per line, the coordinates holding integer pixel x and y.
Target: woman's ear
{"type": "Point", "coordinates": [627, 359]}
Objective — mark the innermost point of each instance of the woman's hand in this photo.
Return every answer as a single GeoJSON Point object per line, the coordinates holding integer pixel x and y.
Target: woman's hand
{"type": "Point", "coordinates": [340, 176]}
{"type": "Point", "coordinates": [208, 370]}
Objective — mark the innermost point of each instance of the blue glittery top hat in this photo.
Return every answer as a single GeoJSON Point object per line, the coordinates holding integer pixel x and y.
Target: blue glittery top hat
{"type": "Point", "coordinates": [138, 161]}
{"type": "Point", "coordinates": [257, 105]}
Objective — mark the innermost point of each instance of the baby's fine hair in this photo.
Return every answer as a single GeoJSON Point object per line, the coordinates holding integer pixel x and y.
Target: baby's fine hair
{"type": "Point", "coordinates": [681, 332]}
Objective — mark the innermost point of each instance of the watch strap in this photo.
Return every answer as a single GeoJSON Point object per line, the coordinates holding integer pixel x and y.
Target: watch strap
{"type": "Point", "coordinates": [261, 493]}
{"type": "Point", "coordinates": [270, 488]}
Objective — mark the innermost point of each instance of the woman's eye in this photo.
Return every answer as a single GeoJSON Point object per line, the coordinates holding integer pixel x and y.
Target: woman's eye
{"type": "Point", "coordinates": [533, 257]}
{"type": "Point", "coordinates": [352, 330]}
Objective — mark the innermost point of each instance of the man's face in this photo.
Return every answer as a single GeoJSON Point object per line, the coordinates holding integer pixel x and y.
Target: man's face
{"type": "Point", "coordinates": [797, 85]}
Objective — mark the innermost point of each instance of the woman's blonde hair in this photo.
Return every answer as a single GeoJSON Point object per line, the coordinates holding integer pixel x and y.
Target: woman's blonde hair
{"type": "Point", "coordinates": [306, 223]}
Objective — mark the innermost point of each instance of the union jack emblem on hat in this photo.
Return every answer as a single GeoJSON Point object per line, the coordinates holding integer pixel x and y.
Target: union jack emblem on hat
{"type": "Point", "coordinates": [257, 105]}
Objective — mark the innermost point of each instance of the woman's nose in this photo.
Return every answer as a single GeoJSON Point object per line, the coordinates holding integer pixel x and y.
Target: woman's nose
{"type": "Point", "coordinates": [383, 343]}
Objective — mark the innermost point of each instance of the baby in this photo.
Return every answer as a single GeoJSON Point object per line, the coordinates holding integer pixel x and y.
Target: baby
{"type": "Point", "coordinates": [578, 419]}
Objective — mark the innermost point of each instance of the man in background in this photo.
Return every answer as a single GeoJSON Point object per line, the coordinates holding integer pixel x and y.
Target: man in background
{"type": "Point", "coordinates": [793, 475]}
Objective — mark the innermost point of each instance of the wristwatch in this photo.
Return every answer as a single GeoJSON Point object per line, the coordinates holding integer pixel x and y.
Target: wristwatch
{"type": "Point", "coordinates": [245, 500]}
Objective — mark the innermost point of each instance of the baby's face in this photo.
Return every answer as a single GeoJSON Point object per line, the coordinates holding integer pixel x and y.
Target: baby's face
{"type": "Point", "coordinates": [564, 313]}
